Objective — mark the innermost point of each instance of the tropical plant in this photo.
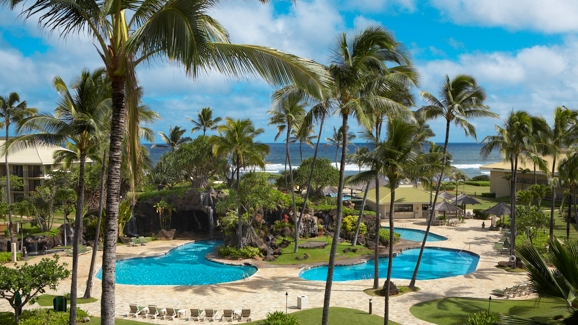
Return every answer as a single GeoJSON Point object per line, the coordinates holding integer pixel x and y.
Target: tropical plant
{"type": "Point", "coordinates": [175, 137]}
{"type": "Point", "coordinates": [568, 175]}
{"type": "Point", "coordinates": [540, 191]}
{"type": "Point", "coordinates": [127, 34]}
{"type": "Point", "coordinates": [12, 110]}
{"type": "Point", "coordinates": [530, 221]}
{"type": "Point", "coordinates": [196, 162]}
{"type": "Point", "coordinates": [205, 121]}
{"type": "Point", "coordinates": [336, 140]}
{"type": "Point", "coordinates": [515, 140]}
{"type": "Point", "coordinates": [461, 99]}
{"type": "Point", "coordinates": [81, 121]}
{"type": "Point", "coordinates": [324, 174]}
{"type": "Point", "coordinates": [236, 140]}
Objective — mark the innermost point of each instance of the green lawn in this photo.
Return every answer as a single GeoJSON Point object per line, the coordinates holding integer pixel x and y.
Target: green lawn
{"type": "Point", "coordinates": [46, 300]}
{"type": "Point", "coordinates": [454, 311]}
{"type": "Point", "coordinates": [318, 254]}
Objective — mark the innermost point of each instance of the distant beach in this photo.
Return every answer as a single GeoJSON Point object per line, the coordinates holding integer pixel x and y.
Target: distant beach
{"type": "Point", "coordinates": [466, 156]}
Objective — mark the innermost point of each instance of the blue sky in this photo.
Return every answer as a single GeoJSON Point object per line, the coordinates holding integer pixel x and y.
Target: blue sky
{"type": "Point", "coordinates": [522, 52]}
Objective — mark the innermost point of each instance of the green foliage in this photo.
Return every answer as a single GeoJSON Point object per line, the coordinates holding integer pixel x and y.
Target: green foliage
{"type": "Point", "coordinates": [197, 163]}
{"type": "Point", "coordinates": [177, 191]}
{"type": "Point", "coordinates": [31, 280]}
{"type": "Point", "coordinates": [236, 253]}
{"type": "Point", "coordinates": [254, 195]}
{"type": "Point", "coordinates": [279, 318]}
{"type": "Point", "coordinates": [477, 183]}
{"type": "Point", "coordinates": [48, 317]}
{"type": "Point", "coordinates": [324, 174]}
{"type": "Point", "coordinates": [6, 257]}
{"type": "Point", "coordinates": [483, 318]}
{"type": "Point", "coordinates": [349, 225]}
{"type": "Point", "coordinates": [479, 214]}
{"type": "Point", "coordinates": [384, 236]}
{"type": "Point", "coordinates": [229, 222]}
{"type": "Point", "coordinates": [481, 178]}
{"type": "Point", "coordinates": [530, 219]}
{"type": "Point", "coordinates": [489, 195]}
{"type": "Point", "coordinates": [278, 225]}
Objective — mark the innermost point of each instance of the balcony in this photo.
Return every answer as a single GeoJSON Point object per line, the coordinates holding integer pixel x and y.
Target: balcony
{"type": "Point", "coordinates": [26, 173]}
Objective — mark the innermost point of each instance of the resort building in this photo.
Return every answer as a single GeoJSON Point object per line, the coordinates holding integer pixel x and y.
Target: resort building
{"type": "Point", "coordinates": [30, 164]}
{"type": "Point", "coordinates": [410, 202]}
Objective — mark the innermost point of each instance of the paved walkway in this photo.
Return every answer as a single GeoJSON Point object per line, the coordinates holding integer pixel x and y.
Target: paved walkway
{"type": "Point", "coordinates": [265, 291]}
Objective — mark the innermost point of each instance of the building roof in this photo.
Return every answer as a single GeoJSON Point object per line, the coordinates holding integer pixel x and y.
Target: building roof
{"type": "Point", "coordinates": [35, 155]}
{"type": "Point", "coordinates": [403, 194]}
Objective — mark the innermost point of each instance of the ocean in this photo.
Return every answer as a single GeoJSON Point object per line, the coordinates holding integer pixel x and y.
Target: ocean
{"type": "Point", "coordinates": [466, 156]}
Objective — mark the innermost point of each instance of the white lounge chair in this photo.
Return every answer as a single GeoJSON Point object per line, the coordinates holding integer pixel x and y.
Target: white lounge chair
{"type": "Point", "coordinates": [229, 315]}
{"type": "Point", "coordinates": [172, 313]}
{"type": "Point", "coordinates": [136, 310]}
{"type": "Point", "coordinates": [211, 314]}
{"type": "Point", "coordinates": [153, 312]}
{"type": "Point", "coordinates": [245, 315]}
{"type": "Point", "coordinates": [196, 314]}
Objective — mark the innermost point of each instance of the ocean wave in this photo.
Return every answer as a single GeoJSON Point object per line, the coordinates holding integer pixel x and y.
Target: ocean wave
{"type": "Point", "coordinates": [277, 168]}
{"type": "Point", "coordinates": [468, 166]}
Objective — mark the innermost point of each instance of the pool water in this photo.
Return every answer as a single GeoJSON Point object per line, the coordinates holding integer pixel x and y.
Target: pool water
{"type": "Point", "coordinates": [436, 263]}
{"type": "Point", "coordinates": [417, 235]}
{"type": "Point", "coordinates": [184, 265]}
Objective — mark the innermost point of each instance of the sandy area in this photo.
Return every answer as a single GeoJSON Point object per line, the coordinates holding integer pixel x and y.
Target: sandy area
{"type": "Point", "coordinates": [265, 291]}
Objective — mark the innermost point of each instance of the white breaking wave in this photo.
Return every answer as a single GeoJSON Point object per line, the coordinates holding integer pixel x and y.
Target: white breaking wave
{"type": "Point", "coordinates": [277, 168]}
{"type": "Point", "coordinates": [468, 166]}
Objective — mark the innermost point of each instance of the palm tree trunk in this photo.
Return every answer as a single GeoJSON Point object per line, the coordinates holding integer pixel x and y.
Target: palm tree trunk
{"type": "Point", "coordinates": [295, 217]}
{"type": "Point", "coordinates": [390, 258]}
{"type": "Point", "coordinates": [331, 265]}
{"type": "Point", "coordinates": [117, 131]}
{"type": "Point", "coordinates": [513, 208]}
{"type": "Point", "coordinates": [431, 216]}
{"type": "Point", "coordinates": [360, 215]}
{"type": "Point", "coordinates": [569, 217]}
{"type": "Point", "coordinates": [239, 216]}
{"type": "Point", "coordinates": [551, 234]}
{"type": "Point", "coordinates": [89, 281]}
{"type": "Point", "coordinates": [309, 180]}
{"type": "Point", "coordinates": [8, 195]}
{"type": "Point", "coordinates": [76, 239]}
{"type": "Point", "coordinates": [301, 151]}
{"type": "Point", "coordinates": [377, 227]}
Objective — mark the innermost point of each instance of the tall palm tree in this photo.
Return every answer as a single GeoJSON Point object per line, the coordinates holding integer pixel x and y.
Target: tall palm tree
{"type": "Point", "coordinates": [357, 63]}
{"type": "Point", "coordinates": [560, 135]}
{"type": "Point", "coordinates": [305, 134]}
{"type": "Point", "coordinates": [205, 121]}
{"type": "Point", "coordinates": [460, 100]}
{"type": "Point", "coordinates": [513, 140]}
{"type": "Point", "coordinates": [175, 137]}
{"type": "Point", "coordinates": [80, 120]}
{"type": "Point", "coordinates": [236, 140]}
{"type": "Point", "coordinates": [288, 113]}
{"type": "Point", "coordinates": [12, 110]}
{"type": "Point", "coordinates": [126, 34]}
{"type": "Point", "coordinates": [568, 174]}
{"type": "Point", "coordinates": [398, 155]}
{"type": "Point", "coordinates": [336, 140]}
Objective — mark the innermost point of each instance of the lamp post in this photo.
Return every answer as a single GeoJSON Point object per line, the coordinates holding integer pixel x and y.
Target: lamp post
{"type": "Point", "coordinates": [286, 300]}
{"type": "Point", "coordinates": [489, 303]}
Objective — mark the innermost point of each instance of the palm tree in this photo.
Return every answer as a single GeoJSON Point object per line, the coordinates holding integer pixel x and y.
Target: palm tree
{"type": "Point", "coordinates": [12, 110]}
{"type": "Point", "coordinates": [337, 140]}
{"type": "Point", "coordinates": [288, 113]}
{"type": "Point", "coordinates": [126, 34]}
{"type": "Point", "coordinates": [397, 156]}
{"type": "Point", "coordinates": [205, 121]}
{"type": "Point", "coordinates": [236, 140]}
{"type": "Point", "coordinates": [568, 174]}
{"type": "Point", "coordinates": [461, 99]}
{"type": "Point", "coordinates": [305, 134]}
{"type": "Point", "coordinates": [80, 120]}
{"type": "Point", "coordinates": [560, 135]}
{"type": "Point", "coordinates": [175, 137]}
{"type": "Point", "coordinates": [358, 63]}
{"type": "Point", "coordinates": [513, 140]}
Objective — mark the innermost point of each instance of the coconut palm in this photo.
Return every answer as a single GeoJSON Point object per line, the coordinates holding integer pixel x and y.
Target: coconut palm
{"type": "Point", "coordinates": [12, 110]}
{"type": "Point", "coordinates": [358, 64]}
{"type": "Point", "coordinates": [398, 156]}
{"type": "Point", "coordinates": [236, 140]}
{"type": "Point", "coordinates": [80, 120]}
{"type": "Point", "coordinates": [288, 113]}
{"type": "Point", "coordinates": [514, 140]}
{"type": "Point", "coordinates": [568, 174]}
{"type": "Point", "coordinates": [304, 134]}
{"type": "Point", "coordinates": [336, 140]}
{"type": "Point", "coordinates": [560, 135]}
{"type": "Point", "coordinates": [461, 99]}
{"type": "Point", "coordinates": [127, 33]}
{"type": "Point", "coordinates": [175, 137]}
{"type": "Point", "coordinates": [205, 121]}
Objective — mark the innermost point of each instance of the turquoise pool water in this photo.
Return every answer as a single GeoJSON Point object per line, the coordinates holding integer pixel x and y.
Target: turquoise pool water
{"type": "Point", "coordinates": [417, 235]}
{"type": "Point", "coordinates": [436, 263]}
{"type": "Point", "coordinates": [184, 265]}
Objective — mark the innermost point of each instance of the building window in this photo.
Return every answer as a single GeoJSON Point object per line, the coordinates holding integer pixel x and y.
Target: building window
{"type": "Point", "coordinates": [18, 170]}
{"type": "Point", "coordinates": [403, 208]}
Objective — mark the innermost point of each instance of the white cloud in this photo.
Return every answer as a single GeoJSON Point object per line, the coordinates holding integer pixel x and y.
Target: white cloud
{"type": "Point", "coordinates": [550, 16]}
{"type": "Point", "coordinates": [379, 5]}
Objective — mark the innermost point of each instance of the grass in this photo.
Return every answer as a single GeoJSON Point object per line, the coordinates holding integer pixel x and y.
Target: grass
{"type": "Point", "coordinates": [402, 290]}
{"type": "Point", "coordinates": [455, 311]}
{"type": "Point", "coordinates": [317, 254]}
{"type": "Point", "coordinates": [46, 300]}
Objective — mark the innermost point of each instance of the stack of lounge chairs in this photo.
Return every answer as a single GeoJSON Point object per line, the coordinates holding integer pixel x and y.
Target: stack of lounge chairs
{"type": "Point", "coordinates": [511, 292]}
{"type": "Point", "coordinates": [503, 246]}
{"type": "Point", "coordinates": [196, 314]}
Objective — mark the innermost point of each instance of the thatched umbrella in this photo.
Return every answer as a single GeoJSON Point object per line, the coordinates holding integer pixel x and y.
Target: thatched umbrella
{"type": "Point", "coordinates": [499, 210]}
{"type": "Point", "coordinates": [464, 199]}
{"type": "Point", "coordinates": [446, 206]}
{"type": "Point", "coordinates": [446, 196]}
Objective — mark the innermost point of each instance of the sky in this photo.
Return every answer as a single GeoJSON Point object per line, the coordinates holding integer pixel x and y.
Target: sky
{"type": "Point", "coordinates": [522, 52]}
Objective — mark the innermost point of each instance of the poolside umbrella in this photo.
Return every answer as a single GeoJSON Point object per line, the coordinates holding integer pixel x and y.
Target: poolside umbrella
{"type": "Point", "coordinates": [446, 206]}
{"type": "Point", "coordinates": [499, 210]}
{"type": "Point", "coordinates": [328, 190]}
{"type": "Point", "coordinates": [446, 196]}
{"type": "Point", "coordinates": [464, 199]}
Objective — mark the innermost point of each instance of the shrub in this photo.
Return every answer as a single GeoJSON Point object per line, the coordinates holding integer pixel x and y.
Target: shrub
{"type": "Point", "coordinates": [6, 257]}
{"type": "Point", "coordinates": [483, 318]}
{"type": "Point", "coordinates": [278, 225]}
{"type": "Point", "coordinates": [350, 224]}
{"type": "Point", "coordinates": [236, 253]}
{"type": "Point", "coordinates": [280, 318]}
{"type": "Point", "coordinates": [481, 178]}
{"type": "Point", "coordinates": [479, 214]}
{"type": "Point", "coordinates": [489, 195]}
{"type": "Point", "coordinates": [448, 187]}
{"type": "Point", "coordinates": [478, 183]}
{"type": "Point", "coordinates": [48, 317]}
{"type": "Point", "coordinates": [384, 236]}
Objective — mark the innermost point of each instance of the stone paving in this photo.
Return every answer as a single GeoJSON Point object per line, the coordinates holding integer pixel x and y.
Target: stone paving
{"type": "Point", "coordinates": [265, 291]}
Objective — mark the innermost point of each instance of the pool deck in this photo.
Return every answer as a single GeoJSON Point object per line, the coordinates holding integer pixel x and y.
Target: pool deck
{"type": "Point", "coordinates": [265, 291]}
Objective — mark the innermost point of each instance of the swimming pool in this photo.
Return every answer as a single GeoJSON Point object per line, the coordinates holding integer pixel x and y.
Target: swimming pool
{"type": "Point", "coordinates": [436, 263]}
{"type": "Point", "coordinates": [417, 235]}
{"type": "Point", "coordinates": [184, 265]}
